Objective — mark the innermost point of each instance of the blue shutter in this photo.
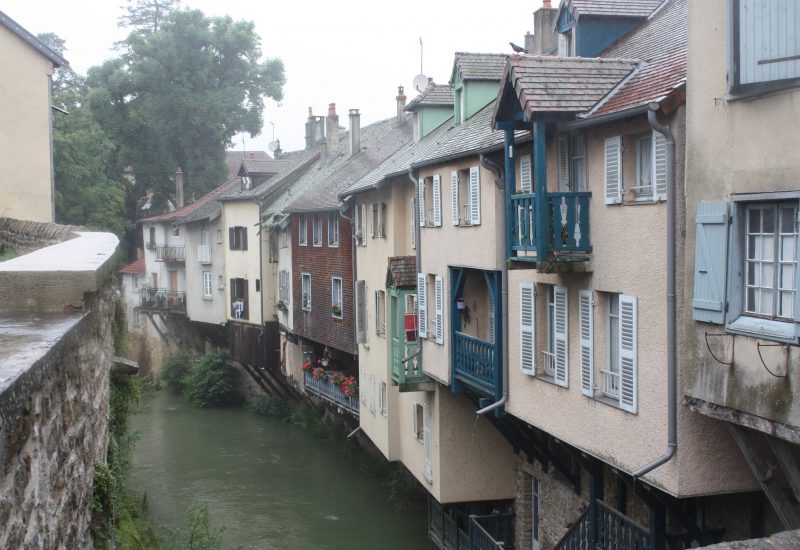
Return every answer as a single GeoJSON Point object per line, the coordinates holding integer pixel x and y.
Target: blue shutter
{"type": "Point", "coordinates": [710, 262]}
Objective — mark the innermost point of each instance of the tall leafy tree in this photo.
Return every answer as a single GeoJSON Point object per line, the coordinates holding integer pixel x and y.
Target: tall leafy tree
{"type": "Point", "coordinates": [146, 16]}
{"type": "Point", "coordinates": [177, 96]}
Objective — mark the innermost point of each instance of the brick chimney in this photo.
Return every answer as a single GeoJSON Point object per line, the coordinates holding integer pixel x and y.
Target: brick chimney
{"type": "Point", "coordinates": [355, 132]}
{"type": "Point", "coordinates": [178, 188]}
{"type": "Point", "coordinates": [545, 41]}
{"type": "Point", "coordinates": [401, 103]}
{"type": "Point", "coordinates": [332, 132]}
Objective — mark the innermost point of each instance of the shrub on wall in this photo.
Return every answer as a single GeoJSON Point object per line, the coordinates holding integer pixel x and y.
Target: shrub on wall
{"type": "Point", "coordinates": [174, 371]}
{"type": "Point", "coordinates": [211, 381]}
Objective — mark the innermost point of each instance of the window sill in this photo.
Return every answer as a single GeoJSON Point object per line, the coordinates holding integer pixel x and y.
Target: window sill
{"type": "Point", "coordinates": [208, 298]}
{"type": "Point", "coordinates": [333, 245]}
{"type": "Point", "coordinates": [761, 90]}
{"type": "Point", "coordinates": [549, 379]}
{"type": "Point", "coordinates": [766, 329]}
{"type": "Point", "coordinates": [641, 202]}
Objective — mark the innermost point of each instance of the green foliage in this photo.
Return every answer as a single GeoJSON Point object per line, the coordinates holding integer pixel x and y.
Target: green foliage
{"type": "Point", "coordinates": [211, 381]}
{"type": "Point", "coordinates": [198, 535]}
{"type": "Point", "coordinates": [174, 371]}
{"type": "Point", "coordinates": [271, 406]}
{"type": "Point", "coordinates": [119, 329]}
{"type": "Point", "coordinates": [145, 16]}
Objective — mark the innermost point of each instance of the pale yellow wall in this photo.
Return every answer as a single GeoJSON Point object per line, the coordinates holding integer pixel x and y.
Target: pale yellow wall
{"type": "Point", "coordinates": [286, 318]}
{"type": "Point", "coordinates": [243, 264]}
{"type": "Point", "coordinates": [26, 162]}
{"type": "Point", "coordinates": [449, 245]}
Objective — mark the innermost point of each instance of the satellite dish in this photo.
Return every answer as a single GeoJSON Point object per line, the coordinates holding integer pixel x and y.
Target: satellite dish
{"type": "Point", "coordinates": [273, 145]}
{"type": "Point", "coordinates": [420, 82]}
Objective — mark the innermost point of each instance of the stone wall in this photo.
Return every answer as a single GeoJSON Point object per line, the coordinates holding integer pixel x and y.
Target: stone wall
{"type": "Point", "coordinates": [25, 236]}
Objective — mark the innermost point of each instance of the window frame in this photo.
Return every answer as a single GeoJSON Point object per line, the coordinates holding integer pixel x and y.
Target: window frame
{"type": "Point", "coordinates": [380, 312]}
{"type": "Point", "coordinates": [316, 230]}
{"type": "Point", "coordinates": [302, 230]}
{"type": "Point", "coordinates": [237, 236]}
{"type": "Point", "coordinates": [333, 229]}
{"type": "Point", "coordinates": [337, 297]}
{"type": "Point", "coordinates": [305, 291]}
{"type": "Point", "coordinates": [208, 291]}
{"type": "Point", "coordinates": [639, 192]}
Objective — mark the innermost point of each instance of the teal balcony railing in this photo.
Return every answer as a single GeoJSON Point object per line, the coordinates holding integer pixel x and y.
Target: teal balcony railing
{"type": "Point", "coordinates": [326, 389]}
{"type": "Point", "coordinates": [476, 363]}
{"type": "Point", "coordinates": [409, 372]}
{"type": "Point", "coordinates": [567, 216]}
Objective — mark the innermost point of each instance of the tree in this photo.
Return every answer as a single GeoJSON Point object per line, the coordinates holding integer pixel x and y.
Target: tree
{"type": "Point", "coordinates": [146, 16]}
{"type": "Point", "coordinates": [177, 96]}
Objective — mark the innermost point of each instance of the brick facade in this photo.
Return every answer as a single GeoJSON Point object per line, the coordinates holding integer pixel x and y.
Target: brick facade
{"type": "Point", "coordinates": [323, 263]}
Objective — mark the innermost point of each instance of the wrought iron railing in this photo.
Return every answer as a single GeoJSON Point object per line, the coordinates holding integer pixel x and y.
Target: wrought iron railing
{"type": "Point", "coordinates": [161, 298]}
{"type": "Point", "coordinates": [600, 526]}
{"type": "Point", "coordinates": [476, 362]}
{"type": "Point", "coordinates": [567, 223]}
{"type": "Point", "coordinates": [204, 253]}
{"type": "Point", "coordinates": [176, 301]}
{"type": "Point", "coordinates": [492, 532]}
{"type": "Point", "coordinates": [578, 536]}
{"type": "Point", "coordinates": [169, 253]}
{"type": "Point", "coordinates": [326, 389]}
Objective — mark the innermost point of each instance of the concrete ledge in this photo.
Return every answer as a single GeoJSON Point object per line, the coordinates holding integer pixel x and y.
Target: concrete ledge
{"type": "Point", "coordinates": [55, 278]}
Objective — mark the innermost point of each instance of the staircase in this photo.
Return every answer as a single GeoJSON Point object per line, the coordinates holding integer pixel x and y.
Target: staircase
{"type": "Point", "coordinates": [601, 527]}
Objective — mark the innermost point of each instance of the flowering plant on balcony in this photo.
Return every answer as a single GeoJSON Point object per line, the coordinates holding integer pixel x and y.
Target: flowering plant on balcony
{"type": "Point", "coordinates": [318, 373]}
{"type": "Point", "coordinates": [306, 366]}
{"type": "Point", "coordinates": [349, 386]}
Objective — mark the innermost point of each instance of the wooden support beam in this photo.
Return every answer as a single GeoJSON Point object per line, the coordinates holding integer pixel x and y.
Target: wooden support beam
{"type": "Point", "coordinates": [786, 453]}
{"type": "Point", "coordinates": [741, 418]}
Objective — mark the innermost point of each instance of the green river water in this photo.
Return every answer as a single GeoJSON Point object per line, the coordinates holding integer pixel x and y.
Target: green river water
{"type": "Point", "coordinates": [270, 484]}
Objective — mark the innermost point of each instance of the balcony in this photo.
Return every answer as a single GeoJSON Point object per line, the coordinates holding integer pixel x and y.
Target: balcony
{"type": "Point", "coordinates": [204, 253]}
{"type": "Point", "coordinates": [330, 392]}
{"type": "Point", "coordinates": [476, 363]}
{"type": "Point", "coordinates": [165, 253]}
{"type": "Point", "coordinates": [408, 375]}
{"type": "Point", "coordinates": [162, 299]}
{"type": "Point", "coordinates": [450, 528]}
{"type": "Point", "coordinates": [565, 219]}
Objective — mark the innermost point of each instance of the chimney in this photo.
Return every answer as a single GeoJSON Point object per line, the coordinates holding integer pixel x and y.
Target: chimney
{"type": "Point", "coordinates": [546, 5]}
{"type": "Point", "coordinates": [545, 41]}
{"type": "Point", "coordinates": [178, 188]}
{"type": "Point", "coordinates": [401, 102]}
{"type": "Point", "coordinates": [530, 43]}
{"type": "Point", "coordinates": [277, 152]}
{"type": "Point", "coordinates": [310, 129]}
{"type": "Point", "coordinates": [332, 132]}
{"type": "Point", "coordinates": [355, 132]}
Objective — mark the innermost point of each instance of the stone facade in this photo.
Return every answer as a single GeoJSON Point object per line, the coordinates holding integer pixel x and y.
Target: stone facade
{"type": "Point", "coordinates": [25, 236]}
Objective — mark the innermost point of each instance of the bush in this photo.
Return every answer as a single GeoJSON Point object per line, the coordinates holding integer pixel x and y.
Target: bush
{"type": "Point", "coordinates": [211, 381]}
{"type": "Point", "coordinates": [199, 535]}
{"type": "Point", "coordinates": [175, 370]}
{"type": "Point", "coordinates": [271, 406]}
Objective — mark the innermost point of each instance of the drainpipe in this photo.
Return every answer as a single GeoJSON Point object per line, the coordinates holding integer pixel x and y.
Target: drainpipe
{"type": "Point", "coordinates": [672, 382]}
{"type": "Point", "coordinates": [418, 249]}
{"type": "Point", "coordinates": [510, 176]}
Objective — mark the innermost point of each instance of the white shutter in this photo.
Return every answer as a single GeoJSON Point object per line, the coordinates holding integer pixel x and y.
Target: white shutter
{"type": "Point", "coordinates": [361, 311]}
{"type": "Point", "coordinates": [627, 353]}
{"type": "Point", "coordinates": [561, 330]}
{"type": "Point", "coordinates": [372, 211]}
{"type": "Point", "coordinates": [414, 420]}
{"type": "Point", "coordinates": [362, 386]}
{"type": "Point", "coordinates": [439, 305]}
{"type": "Point", "coordinates": [422, 304]}
{"type": "Point", "coordinates": [613, 170]}
{"type": "Point", "coordinates": [586, 320]}
{"type": "Point", "coordinates": [563, 162]}
{"type": "Point", "coordinates": [527, 334]}
{"type": "Point", "coordinates": [381, 404]}
{"type": "Point", "coordinates": [659, 166]}
{"type": "Point", "coordinates": [454, 196]}
{"type": "Point", "coordinates": [421, 199]}
{"type": "Point", "coordinates": [437, 201]}
{"type": "Point", "coordinates": [372, 393]}
{"type": "Point", "coordinates": [562, 45]}
{"type": "Point", "coordinates": [525, 176]}
{"type": "Point", "coordinates": [413, 226]}
{"type": "Point", "coordinates": [427, 440]}
{"type": "Point", "coordinates": [377, 314]}
{"type": "Point", "coordinates": [474, 195]}
{"type": "Point", "coordinates": [364, 224]}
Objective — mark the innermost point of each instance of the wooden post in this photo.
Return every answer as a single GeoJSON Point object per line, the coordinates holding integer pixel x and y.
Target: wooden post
{"type": "Point", "coordinates": [540, 189]}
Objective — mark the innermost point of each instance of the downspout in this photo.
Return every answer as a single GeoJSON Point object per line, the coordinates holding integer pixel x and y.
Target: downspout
{"type": "Point", "coordinates": [418, 250]}
{"type": "Point", "coordinates": [509, 175]}
{"type": "Point", "coordinates": [353, 263]}
{"type": "Point", "coordinates": [672, 382]}
{"type": "Point", "coordinates": [262, 332]}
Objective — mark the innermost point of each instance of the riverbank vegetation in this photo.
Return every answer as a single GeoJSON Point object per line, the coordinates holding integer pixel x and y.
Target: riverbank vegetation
{"type": "Point", "coordinates": [208, 382]}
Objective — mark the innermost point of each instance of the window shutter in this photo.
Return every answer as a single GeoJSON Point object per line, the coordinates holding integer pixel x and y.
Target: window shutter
{"type": "Point", "coordinates": [413, 225]}
{"type": "Point", "coordinates": [377, 314]}
{"type": "Point", "coordinates": [439, 298]}
{"type": "Point", "coordinates": [563, 162]}
{"type": "Point", "coordinates": [362, 386]}
{"type": "Point", "coordinates": [585, 303]}
{"type": "Point", "coordinates": [422, 304]}
{"type": "Point", "coordinates": [659, 166]}
{"type": "Point", "coordinates": [372, 393]}
{"type": "Point", "coordinates": [380, 397]}
{"type": "Point", "coordinates": [421, 202]}
{"type": "Point", "coordinates": [454, 196]}
{"type": "Point", "coordinates": [437, 201]}
{"type": "Point", "coordinates": [613, 170]}
{"type": "Point", "coordinates": [382, 218]}
{"type": "Point", "coordinates": [373, 211]}
{"type": "Point", "coordinates": [527, 334]}
{"type": "Point", "coordinates": [627, 352]}
{"type": "Point", "coordinates": [562, 45]}
{"type": "Point", "coordinates": [427, 440]}
{"type": "Point", "coordinates": [244, 238]}
{"type": "Point", "coordinates": [561, 328]}
{"type": "Point", "coordinates": [491, 320]}
{"type": "Point", "coordinates": [361, 311]}
{"type": "Point", "coordinates": [364, 224]}
{"type": "Point", "coordinates": [525, 177]}
{"type": "Point", "coordinates": [710, 262]}
{"type": "Point", "coordinates": [231, 243]}
{"type": "Point", "coordinates": [414, 420]}
{"type": "Point", "coordinates": [474, 195]}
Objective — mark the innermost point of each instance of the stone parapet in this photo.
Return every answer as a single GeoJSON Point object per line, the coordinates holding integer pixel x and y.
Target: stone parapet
{"type": "Point", "coordinates": [25, 236]}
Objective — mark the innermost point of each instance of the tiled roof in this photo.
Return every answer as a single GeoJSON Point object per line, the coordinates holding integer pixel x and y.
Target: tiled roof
{"type": "Point", "coordinates": [434, 95]}
{"type": "Point", "coordinates": [34, 42]}
{"type": "Point", "coordinates": [480, 66]}
{"type": "Point", "coordinates": [404, 270]}
{"type": "Point", "coordinates": [660, 42]}
{"type": "Point", "coordinates": [134, 268]}
{"type": "Point", "coordinates": [324, 182]}
{"type": "Point", "coordinates": [618, 8]}
{"type": "Point", "coordinates": [268, 166]}
{"type": "Point", "coordinates": [564, 84]}
{"type": "Point", "coordinates": [283, 168]}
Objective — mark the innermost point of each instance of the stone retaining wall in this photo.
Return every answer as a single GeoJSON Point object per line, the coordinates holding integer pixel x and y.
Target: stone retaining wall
{"type": "Point", "coordinates": [24, 236]}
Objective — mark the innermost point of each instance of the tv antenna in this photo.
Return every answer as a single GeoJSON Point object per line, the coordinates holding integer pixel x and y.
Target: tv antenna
{"type": "Point", "coordinates": [420, 81]}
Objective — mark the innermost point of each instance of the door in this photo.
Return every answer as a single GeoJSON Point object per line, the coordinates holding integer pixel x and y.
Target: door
{"type": "Point", "coordinates": [173, 281]}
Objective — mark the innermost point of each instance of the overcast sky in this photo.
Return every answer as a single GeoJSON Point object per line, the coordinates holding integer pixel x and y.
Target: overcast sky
{"type": "Point", "coordinates": [351, 53]}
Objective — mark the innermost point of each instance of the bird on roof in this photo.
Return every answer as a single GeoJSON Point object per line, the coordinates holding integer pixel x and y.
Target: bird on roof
{"type": "Point", "coordinates": [518, 49]}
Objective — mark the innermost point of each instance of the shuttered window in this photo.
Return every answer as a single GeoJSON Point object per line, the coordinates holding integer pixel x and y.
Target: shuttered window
{"type": "Point", "coordinates": [439, 308]}
{"type": "Point", "coordinates": [474, 195]}
{"type": "Point", "coordinates": [302, 230]}
{"type": "Point", "coordinates": [427, 437]}
{"type": "Point", "coordinates": [362, 384]}
{"type": "Point", "coordinates": [454, 214]}
{"type": "Point", "coordinates": [627, 353]}
{"type": "Point", "coordinates": [422, 304]}
{"type": "Point", "coordinates": [613, 170]}
{"type": "Point", "coordinates": [710, 263]}
{"type": "Point", "coordinates": [416, 421]}
{"type": "Point", "coordinates": [437, 201]}
{"type": "Point", "coordinates": [660, 166]}
{"type": "Point", "coordinates": [586, 333]}
{"type": "Point", "coordinates": [305, 291]}
{"type": "Point", "coordinates": [527, 335]}
{"type": "Point", "coordinates": [421, 199]}
{"type": "Point", "coordinates": [372, 394]}
{"type": "Point", "coordinates": [361, 311]}
{"type": "Point", "coordinates": [412, 225]}
{"type": "Point", "coordinates": [380, 312]}
{"type": "Point", "coordinates": [563, 163]}
{"type": "Point", "coordinates": [382, 399]}
{"type": "Point", "coordinates": [560, 332]}
{"type": "Point", "coordinates": [363, 228]}
{"type": "Point", "coordinates": [525, 174]}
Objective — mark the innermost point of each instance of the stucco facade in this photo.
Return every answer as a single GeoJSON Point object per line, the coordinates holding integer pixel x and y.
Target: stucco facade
{"type": "Point", "coordinates": [242, 264]}
{"type": "Point", "coordinates": [204, 303]}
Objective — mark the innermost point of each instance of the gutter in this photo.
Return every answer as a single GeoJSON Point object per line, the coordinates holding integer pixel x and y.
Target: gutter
{"type": "Point", "coordinates": [495, 169]}
{"type": "Point", "coordinates": [353, 266]}
{"type": "Point", "coordinates": [610, 117]}
{"type": "Point", "coordinates": [418, 250]}
{"type": "Point", "coordinates": [672, 382]}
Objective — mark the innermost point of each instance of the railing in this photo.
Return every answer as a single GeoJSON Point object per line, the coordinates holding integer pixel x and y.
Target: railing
{"type": "Point", "coordinates": [176, 301]}
{"type": "Point", "coordinates": [579, 535]}
{"type": "Point", "coordinates": [549, 363]}
{"type": "Point", "coordinates": [325, 388]}
{"type": "Point", "coordinates": [476, 362]}
{"type": "Point", "coordinates": [411, 370]}
{"type": "Point", "coordinates": [150, 245]}
{"type": "Point", "coordinates": [492, 532]}
{"type": "Point", "coordinates": [443, 528]}
{"type": "Point", "coordinates": [204, 253]}
{"type": "Point", "coordinates": [567, 223]}
{"type": "Point", "coordinates": [600, 526]}
{"type": "Point", "coordinates": [161, 298]}
{"type": "Point", "coordinates": [610, 383]}
{"type": "Point", "coordinates": [168, 253]}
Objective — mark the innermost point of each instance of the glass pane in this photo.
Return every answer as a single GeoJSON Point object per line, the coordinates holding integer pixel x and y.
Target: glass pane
{"type": "Point", "coordinates": [767, 275]}
{"type": "Point", "coordinates": [787, 220]}
{"type": "Point", "coordinates": [753, 220]}
{"type": "Point", "coordinates": [751, 273]}
{"type": "Point", "coordinates": [751, 300]}
{"type": "Point", "coordinates": [765, 302]}
{"type": "Point", "coordinates": [751, 247]}
{"type": "Point", "coordinates": [786, 305]}
{"type": "Point", "coordinates": [769, 221]}
{"type": "Point", "coordinates": [767, 247]}
{"type": "Point", "coordinates": [787, 277]}
{"type": "Point", "coordinates": [788, 249]}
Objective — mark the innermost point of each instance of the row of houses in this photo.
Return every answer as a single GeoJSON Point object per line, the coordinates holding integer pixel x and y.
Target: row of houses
{"type": "Point", "coordinates": [561, 290]}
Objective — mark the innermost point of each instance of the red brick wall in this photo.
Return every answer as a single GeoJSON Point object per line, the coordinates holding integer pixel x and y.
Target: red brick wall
{"type": "Point", "coordinates": [323, 263]}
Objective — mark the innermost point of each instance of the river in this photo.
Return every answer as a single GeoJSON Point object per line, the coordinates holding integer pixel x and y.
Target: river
{"type": "Point", "coordinates": [270, 484]}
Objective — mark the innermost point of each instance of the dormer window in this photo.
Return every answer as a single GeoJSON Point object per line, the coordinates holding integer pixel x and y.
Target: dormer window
{"type": "Point", "coordinates": [245, 183]}
{"type": "Point", "coordinates": [566, 43]}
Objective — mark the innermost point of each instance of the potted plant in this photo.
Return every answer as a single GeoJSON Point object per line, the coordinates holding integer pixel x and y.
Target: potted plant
{"type": "Point", "coordinates": [336, 310]}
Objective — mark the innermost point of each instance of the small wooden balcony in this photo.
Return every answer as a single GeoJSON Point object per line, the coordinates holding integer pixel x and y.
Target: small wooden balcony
{"type": "Point", "coordinates": [477, 363]}
{"type": "Point", "coordinates": [167, 253]}
{"type": "Point", "coordinates": [325, 388]}
{"type": "Point", "coordinates": [408, 375]}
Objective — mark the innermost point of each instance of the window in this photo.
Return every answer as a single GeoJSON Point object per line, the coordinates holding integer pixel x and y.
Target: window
{"type": "Point", "coordinates": [239, 303]}
{"type": "Point", "coordinates": [437, 332]}
{"type": "Point", "coordinates": [571, 163]}
{"type": "Point", "coordinates": [284, 238]}
{"type": "Point", "coordinates": [337, 305]}
{"type": "Point", "coordinates": [416, 421]}
{"type": "Point", "coordinates": [554, 365]}
{"type": "Point", "coordinates": [465, 203]}
{"type": "Point", "coordinates": [258, 285]}
{"type": "Point", "coordinates": [220, 282]}
{"type": "Point", "coordinates": [316, 229]}
{"type": "Point", "coordinates": [760, 253]}
{"type": "Point", "coordinates": [207, 285]}
{"type": "Point", "coordinates": [362, 385]}
{"type": "Point", "coordinates": [372, 394]}
{"type": "Point", "coordinates": [151, 242]}
{"type": "Point", "coordinates": [283, 286]}
{"type": "Point", "coordinates": [219, 235]}
{"type": "Point", "coordinates": [246, 182]}
{"type": "Point", "coordinates": [430, 201]}
{"type": "Point", "coordinates": [175, 230]}
{"type": "Point", "coordinates": [237, 238]}
{"type": "Point", "coordinates": [273, 247]}
{"type": "Point", "coordinates": [412, 225]}
{"type": "Point", "coordinates": [377, 220]}
{"type": "Point", "coordinates": [305, 291]}
{"type": "Point", "coordinates": [333, 229]}
{"type": "Point", "coordinates": [361, 311]}
{"type": "Point", "coordinates": [764, 56]}
{"type": "Point", "coordinates": [361, 224]}
{"type": "Point", "coordinates": [380, 312]}
{"type": "Point", "coordinates": [566, 43]}
{"type": "Point", "coordinates": [382, 400]}
{"type": "Point", "coordinates": [525, 174]}
{"type": "Point", "coordinates": [610, 375]}
{"type": "Point", "coordinates": [644, 181]}
{"type": "Point", "coordinates": [302, 230]}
